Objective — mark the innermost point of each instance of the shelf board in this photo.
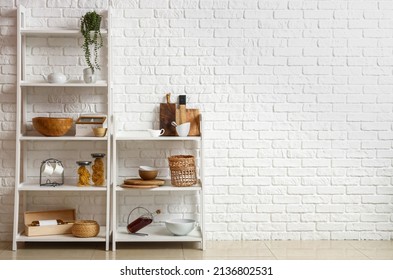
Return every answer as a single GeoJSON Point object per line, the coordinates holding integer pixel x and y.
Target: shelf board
{"type": "Point", "coordinates": [143, 135]}
{"type": "Point", "coordinates": [164, 188]}
{"type": "Point", "coordinates": [65, 187]}
{"type": "Point", "coordinates": [62, 138]}
{"type": "Point", "coordinates": [54, 32]}
{"type": "Point", "coordinates": [72, 83]}
{"type": "Point", "coordinates": [157, 233]}
{"type": "Point", "coordinates": [62, 237]}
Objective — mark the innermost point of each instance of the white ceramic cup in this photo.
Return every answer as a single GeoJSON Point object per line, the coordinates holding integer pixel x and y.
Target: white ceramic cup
{"type": "Point", "coordinates": [156, 132]}
{"type": "Point", "coordinates": [47, 169]}
{"type": "Point", "coordinates": [183, 129]}
{"type": "Point", "coordinates": [58, 170]}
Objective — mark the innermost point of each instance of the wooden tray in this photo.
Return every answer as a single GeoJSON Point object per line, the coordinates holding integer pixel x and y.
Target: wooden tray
{"type": "Point", "coordinates": [139, 186]}
{"type": "Point", "coordinates": [139, 181]}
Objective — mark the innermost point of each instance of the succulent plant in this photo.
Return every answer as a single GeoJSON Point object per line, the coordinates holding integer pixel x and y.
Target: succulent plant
{"type": "Point", "coordinates": [90, 29]}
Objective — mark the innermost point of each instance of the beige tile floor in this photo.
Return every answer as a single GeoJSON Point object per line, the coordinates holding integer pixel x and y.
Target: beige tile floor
{"type": "Point", "coordinates": [215, 250]}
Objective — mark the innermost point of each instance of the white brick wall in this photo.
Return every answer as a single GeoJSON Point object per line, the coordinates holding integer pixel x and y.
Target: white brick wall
{"type": "Point", "coordinates": [296, 96]}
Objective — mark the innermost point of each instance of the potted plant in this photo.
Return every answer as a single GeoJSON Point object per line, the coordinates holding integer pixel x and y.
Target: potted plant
{"type": "Point", "coordinates": [90, 29]}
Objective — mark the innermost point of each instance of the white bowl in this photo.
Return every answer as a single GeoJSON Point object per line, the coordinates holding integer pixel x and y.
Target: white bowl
{"type": "Point", "coordinates": [183, 129]}
{"type": "Point", "coordinates": [180, 226]}
{"type": "Point", "coordinates": [147, 168]}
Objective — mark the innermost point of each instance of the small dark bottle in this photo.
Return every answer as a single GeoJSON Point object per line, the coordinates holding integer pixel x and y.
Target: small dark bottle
{"type": "Point", "coordinates": [141, 222]}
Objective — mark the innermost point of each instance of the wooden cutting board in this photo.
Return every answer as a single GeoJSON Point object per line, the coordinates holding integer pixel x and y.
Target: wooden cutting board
{"type": "Point", "coordinates": [192, 116]}
{"type": "Point", "coordinates": [139, 186]}
{"type": "Point", "coordinates": [167, 116]}
{"type": "Point", "coordinates": [138, 181]}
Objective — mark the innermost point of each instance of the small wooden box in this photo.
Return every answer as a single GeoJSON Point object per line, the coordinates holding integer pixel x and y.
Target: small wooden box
{"type": "Point", "coordinates": [65, 215]}
{"type": "Point", "coordinates": [84, 125]}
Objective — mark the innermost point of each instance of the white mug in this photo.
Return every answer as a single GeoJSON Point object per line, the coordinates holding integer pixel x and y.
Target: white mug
{"type": "Point", "coordinates": [156, 132]}
{"type": "Point", "coordinates": [58, 170]}
{"type": "Point", "coordinates": [47, 169]}
{"type": "Point", "coordinates": [183, 129]}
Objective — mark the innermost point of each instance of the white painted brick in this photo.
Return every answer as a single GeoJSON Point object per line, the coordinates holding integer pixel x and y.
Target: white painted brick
{"type": "Point", "coordinates": [329, 209]}
{"type": "Point", "coordinates": [314, 218]}
{"type": "Point", "coordinates": [198, 14]}
{"type": "Point", "coordinates": [296, 98]}
{"type": "Point", "coordinates": [300, 208]}
{"type": "Point", "coordinates": [276, 227]}
{"type": "Point", "coordinates": [376, 199]}
{"type": "Point", "coordinates": [255, 217]}
{"type": "Point", "coordinates": [300, 227]}
{"type": "Point", "coordinates": [285, 217]}
{"type": "Point", "coordinates": [361, 190]}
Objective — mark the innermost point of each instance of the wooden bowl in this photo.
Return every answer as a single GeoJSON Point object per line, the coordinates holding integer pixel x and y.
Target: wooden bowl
{"type": "Point", "coordinates": [148, 174]}
{"type": "Point", "coordinates": [99, 131]}
{"type": "Point", "coordinates": [52, 126]}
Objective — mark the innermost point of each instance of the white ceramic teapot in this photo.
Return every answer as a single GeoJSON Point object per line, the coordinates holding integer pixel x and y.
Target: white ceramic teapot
{"type": "Point", "coordinates": [56, 78]}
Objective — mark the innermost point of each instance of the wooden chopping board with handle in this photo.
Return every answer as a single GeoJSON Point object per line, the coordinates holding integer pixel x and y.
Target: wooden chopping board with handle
{"type": "Point", "coordinates": [167, 116]}
{"type": "Point", "coordinates": [138, 181]}
{"type": "Point", "coordinates": [192, 116]}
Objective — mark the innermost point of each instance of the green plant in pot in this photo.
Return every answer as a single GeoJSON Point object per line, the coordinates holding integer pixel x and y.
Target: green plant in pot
{"type": "Point", "coordinates": [90, 29]}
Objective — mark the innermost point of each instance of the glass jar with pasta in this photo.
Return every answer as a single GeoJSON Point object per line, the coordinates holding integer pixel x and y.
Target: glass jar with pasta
{"type": "Point", "coordinates": [83, 173]}
{"type": "Point", "coordinates": [98, 176]}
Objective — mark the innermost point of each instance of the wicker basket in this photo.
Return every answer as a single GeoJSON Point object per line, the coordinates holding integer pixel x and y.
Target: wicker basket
{"type": "Point", "coordinates": [85, 228]}
{"type": "Point", "coordinates": [183, 171]}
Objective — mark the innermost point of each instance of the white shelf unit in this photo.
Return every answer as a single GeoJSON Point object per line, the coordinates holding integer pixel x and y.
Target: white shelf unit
{"type": "Point", "coordinates": [157, 232]}
{"type": "Point", "coordinates": [25, 186]}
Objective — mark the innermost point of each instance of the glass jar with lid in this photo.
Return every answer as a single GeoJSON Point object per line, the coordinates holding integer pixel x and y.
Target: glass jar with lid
{"type": "Point", "coordinates": [83, 173]}
{"type": "Point", "coordinates": [98, 176]}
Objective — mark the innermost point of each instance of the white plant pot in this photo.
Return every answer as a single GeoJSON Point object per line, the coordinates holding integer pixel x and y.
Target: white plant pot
{"type": "Point", "coordinates": [88, 76]}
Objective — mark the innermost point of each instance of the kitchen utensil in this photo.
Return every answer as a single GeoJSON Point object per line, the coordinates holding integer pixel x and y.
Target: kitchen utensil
{"type": "Point", "coordinates": [52, 126]}
{"type": "Point", "coordinates": [148, 174]}
{"type": "Point", "coordinates": [99, 131]}
{"type": "Point", "coordinates": [51, 173]}
{"type": "Point", "coordinates": [139, 186]}
{"type": "Point", "coordinates": [55, 78]}
{"type": "Point", "coordinates": [183, 129]}
{"type": "Point", "coordinates": [147, 168]}
{"type": "Point", "coordinates": [180, 226]}
{"type": "Point", "coordinates": [47, 169]}
{"type": "Point", "coordinates": [138, 181]}
{"type": "Point", "coordinates": [98, 176]}
{"type": "Point", "coordinates": [193, 117]}
{"type": "Point", "coordinates": [58, 169]}
{"type": "Point", "coordinates": [182, 109]}
{"type": "Point", "coordinates": [168, 115]}
{"type": "Point", "coordinates": [84, 174]}
{"type": "Point", "coordinates": [156, 132]}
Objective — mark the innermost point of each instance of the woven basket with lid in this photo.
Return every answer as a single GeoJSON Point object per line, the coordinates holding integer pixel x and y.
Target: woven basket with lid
{"type": "Point", "coordinates": [183, 170]}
